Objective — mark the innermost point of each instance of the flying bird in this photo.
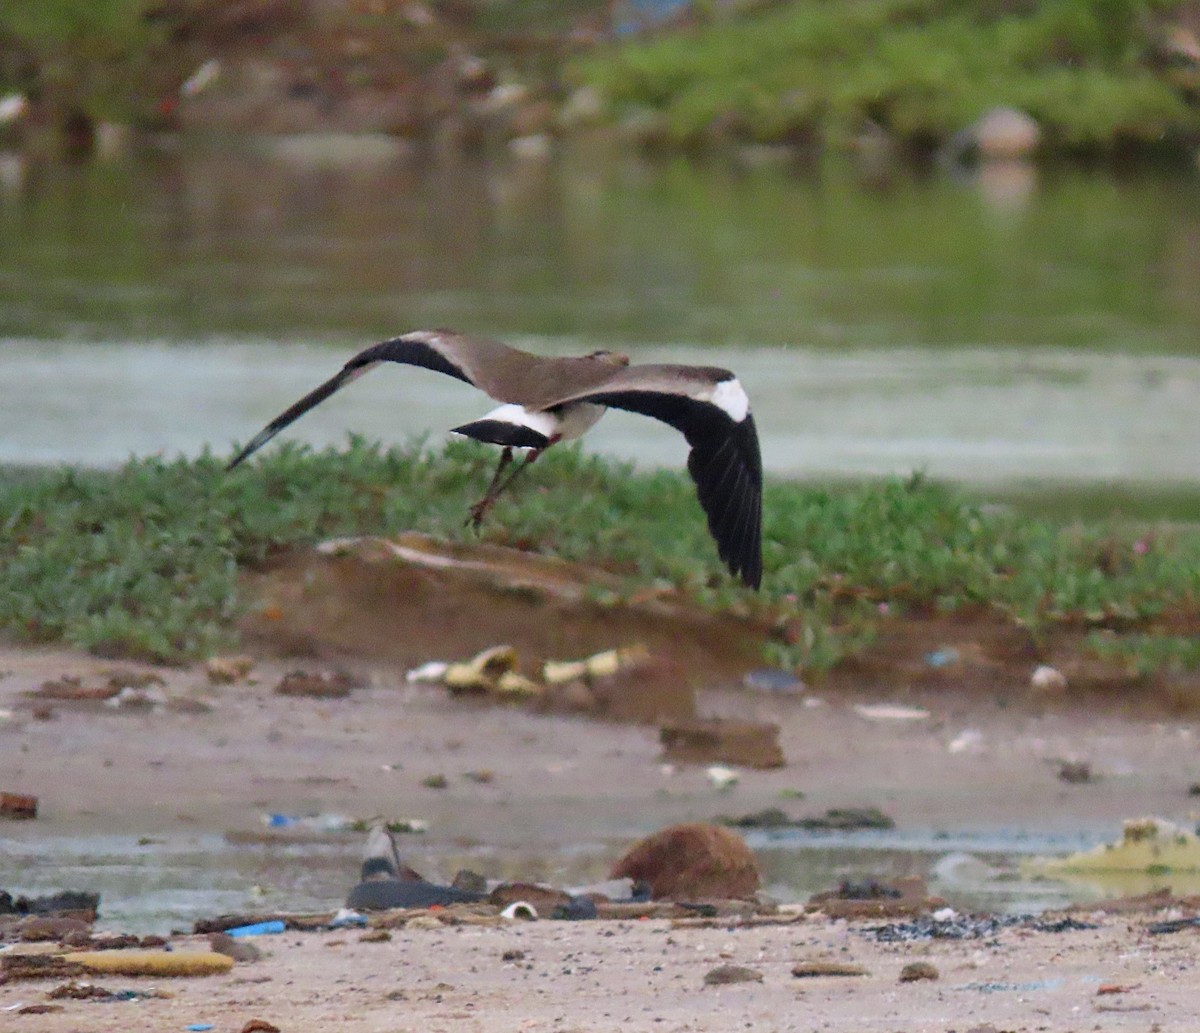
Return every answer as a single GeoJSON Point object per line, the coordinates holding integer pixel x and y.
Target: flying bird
{"type": "Point", "coordinates": [545, 400]}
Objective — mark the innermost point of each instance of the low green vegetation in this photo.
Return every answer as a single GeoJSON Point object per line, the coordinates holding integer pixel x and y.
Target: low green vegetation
{"type": "Point", "coordinates": [1097, 74]}
{"type": "Point", "coordinates": [96, 59]}
{"type": "Point", "coordinates": [144, 561]}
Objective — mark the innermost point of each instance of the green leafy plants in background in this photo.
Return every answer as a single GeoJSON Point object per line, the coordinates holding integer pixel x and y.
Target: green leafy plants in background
{"type": "Point", "coordinates": [922, 69]}
{"type": "Point", "coordinates": [91, 58]}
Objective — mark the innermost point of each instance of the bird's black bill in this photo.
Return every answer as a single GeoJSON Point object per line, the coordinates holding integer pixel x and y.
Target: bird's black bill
{"type": "Point", "coordinates": [291, 414]}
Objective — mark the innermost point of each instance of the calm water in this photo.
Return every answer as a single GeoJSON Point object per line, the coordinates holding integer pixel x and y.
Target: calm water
{"type": "Point", "coordinates": [1019, 324]}
{"type": "Point", "coordinates": [168, 882]}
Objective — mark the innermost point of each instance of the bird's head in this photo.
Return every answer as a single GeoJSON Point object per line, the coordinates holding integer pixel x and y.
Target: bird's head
{"type": "Point", "coordinates": [613, 358]}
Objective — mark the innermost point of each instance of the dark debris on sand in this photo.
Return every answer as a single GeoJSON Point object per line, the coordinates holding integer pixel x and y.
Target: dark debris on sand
{"type": "Point", "coordinates": [968, 927]}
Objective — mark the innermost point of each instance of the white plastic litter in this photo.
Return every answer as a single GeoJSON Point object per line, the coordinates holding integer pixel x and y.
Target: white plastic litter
{"type": "Point", "coordinates": [890, 712]}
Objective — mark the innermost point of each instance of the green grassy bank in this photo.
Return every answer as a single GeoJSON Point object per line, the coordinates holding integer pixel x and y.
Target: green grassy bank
{"type": "Point", "coordinates": [144, 561]}
{"type": "Point", "coordinates": [1098, 75]}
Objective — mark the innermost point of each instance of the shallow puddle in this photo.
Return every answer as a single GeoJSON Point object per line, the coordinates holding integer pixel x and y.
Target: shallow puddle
{"type": "Point", "coordinates": [153, 886]}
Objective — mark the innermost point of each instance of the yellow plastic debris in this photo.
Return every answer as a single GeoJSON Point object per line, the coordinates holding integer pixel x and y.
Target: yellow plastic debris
{"type": "Point", "coordinates": [598, 665]}
{"type": "Point", "coordinates": [510, 683]}
{"type": "Point", "coordinates": [1147, 845]}
{"type": "Point", "coordinates": [559, 672]}
{"type": "Point", "coordinates": [482, 672]}
{"type": "Point", "coordinates": [153, 962]}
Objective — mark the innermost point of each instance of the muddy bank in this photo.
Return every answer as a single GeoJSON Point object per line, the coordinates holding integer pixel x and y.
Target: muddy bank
{"type": "Point", "coordinates": [413, 598]}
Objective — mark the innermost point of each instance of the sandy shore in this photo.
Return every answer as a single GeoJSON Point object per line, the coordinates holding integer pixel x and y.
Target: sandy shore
{"type": "Point", "coordinates": [602, 976]}
{"type": "Point", "coordinates": [216, 757]}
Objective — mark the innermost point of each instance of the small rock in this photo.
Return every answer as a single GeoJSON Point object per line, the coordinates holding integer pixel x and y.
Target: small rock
{"type": "Point", "coordinates": [375, 936]}
{"type": "Point", "coordinates": [770, 818]}
{"type": "Point", "coordinates": [37, 928]}
{"type": "Point", "coordinates": [423, 922]}
{"type": "Point", "coordinates": [18, 805]}
{"type": "Point", "coordinates": [1048, 679]}
{"type": "Point", "coordinates": [80, 991]}
{"type": "Point", "coordinates": [1006, 134]}
{"type": "Point", "coordinates": [751, 744]}
{"type": "Point", "coordinates": [225, 670]}
{"type": "Point", "coordinates": [868, 889]}
{"type": "Point", "coordinates": [435, 782]}
{"type": "Point", "coordinates": [577, 909]}
{"type": "Point", "coordinates": [322, 685]}
{"type": "Point", "coordinates": [469, 882]}
{"type": "Point", "coordinates": [482, 777]}
{"type": "Point", "coordinates": [723, 974]}
{"type": "Point", "coordinates": [69, 687]}
{"type": "Point", "coordinates": [232, 947]}
{"type": "Point", "coordinates": [918, 970]}
{"type": "Point", "coordinates": [1076, 772]}
{"type": "Point", "coordinates": [844, 819]}
{"type": "Point", "coordinates": [123, 679]}
{"type": "Point", "coordinates": [188, 705]}
{"type": "Point", "coordinates": [722, 777]}
{"type": "Point", "coordinates": [513, 955]}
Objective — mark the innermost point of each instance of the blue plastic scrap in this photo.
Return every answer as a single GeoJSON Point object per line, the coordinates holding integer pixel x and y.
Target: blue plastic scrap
{"type": "Point", "coordinates": [257, 929]}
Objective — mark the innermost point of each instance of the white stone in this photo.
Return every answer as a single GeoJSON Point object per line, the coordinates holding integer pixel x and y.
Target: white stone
{"type": "Point", "coordinates": [1048, 679]}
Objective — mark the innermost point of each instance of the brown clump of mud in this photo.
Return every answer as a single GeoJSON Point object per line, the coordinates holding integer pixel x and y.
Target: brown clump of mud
{"type": "Point", "coordinates": [411, 599]}
{"type": "Point", "coordinates": [692, 861]}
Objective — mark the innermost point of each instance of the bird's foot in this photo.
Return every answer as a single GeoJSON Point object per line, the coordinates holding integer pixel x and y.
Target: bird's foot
{"type": "Point", "coordinates": [477, 512]}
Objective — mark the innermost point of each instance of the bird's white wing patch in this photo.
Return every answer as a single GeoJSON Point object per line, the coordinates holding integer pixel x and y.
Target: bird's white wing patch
{"type": "Point", "coordinates": [729, 396]}
{"type": "Point", "coordinates": [545, 423]}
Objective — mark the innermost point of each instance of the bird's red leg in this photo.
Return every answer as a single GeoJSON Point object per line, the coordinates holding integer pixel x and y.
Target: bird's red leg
{"type": "Point", "coordinates": [496, 489]}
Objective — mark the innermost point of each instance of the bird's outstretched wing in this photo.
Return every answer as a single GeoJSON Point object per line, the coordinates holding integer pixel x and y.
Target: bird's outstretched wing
{"type": "Point", "coordinates": [440, 350]}
{"type": "Point", "coordinates": [709, 407]}
{"type": "Point", "coordinates": [503, 373]}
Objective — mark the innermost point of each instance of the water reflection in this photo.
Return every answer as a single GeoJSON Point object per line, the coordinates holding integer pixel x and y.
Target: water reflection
{"type": "Point", "coordinates": [308, 239]}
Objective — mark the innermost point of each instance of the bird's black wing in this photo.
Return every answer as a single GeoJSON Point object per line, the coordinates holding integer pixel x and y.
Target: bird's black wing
{"type": "Point", "coordinates": [725, 461]}
{"type": "Point", "coordinates": [435, 350]}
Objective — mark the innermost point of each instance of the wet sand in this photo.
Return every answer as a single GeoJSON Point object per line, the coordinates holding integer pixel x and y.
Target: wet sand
{"type": "Point", "coordinates": [559, 781]}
